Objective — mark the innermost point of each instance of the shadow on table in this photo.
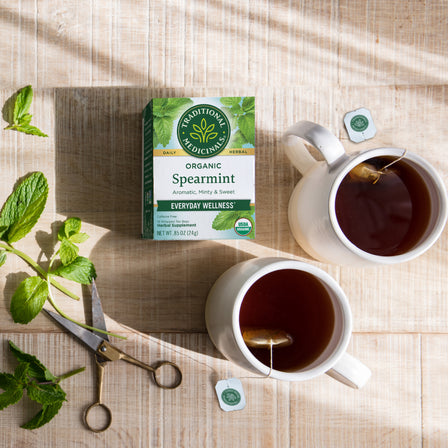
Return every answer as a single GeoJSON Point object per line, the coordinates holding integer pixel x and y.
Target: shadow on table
{"type": "Point", "coordinates": [151, 286]}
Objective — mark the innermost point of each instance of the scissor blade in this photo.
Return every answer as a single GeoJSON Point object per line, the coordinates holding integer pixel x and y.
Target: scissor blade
{"type": "Point", "coordinates": [97, 313]}
{"type": "Point", "coordinates": [91, 340]}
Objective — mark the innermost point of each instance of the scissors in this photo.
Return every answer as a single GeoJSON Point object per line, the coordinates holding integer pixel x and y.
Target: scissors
{"type": "Point", "coordinates": [105, 352]}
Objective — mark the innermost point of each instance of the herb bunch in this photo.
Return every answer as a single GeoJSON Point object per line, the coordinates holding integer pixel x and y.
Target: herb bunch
{"type": "Point", "coordinates": [40, 384]}
{"type": "Point", "coordinates": [18, 216]}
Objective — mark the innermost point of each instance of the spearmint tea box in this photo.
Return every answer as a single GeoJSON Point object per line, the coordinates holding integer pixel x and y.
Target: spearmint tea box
{"type": "Point", "coordinates": [199, 168]}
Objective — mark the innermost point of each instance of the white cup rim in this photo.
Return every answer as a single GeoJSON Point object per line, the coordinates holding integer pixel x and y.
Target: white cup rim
{"type": "Point", "coordinates": [346, 324]}
{"type": "Point", "coordinates": [421, 247]}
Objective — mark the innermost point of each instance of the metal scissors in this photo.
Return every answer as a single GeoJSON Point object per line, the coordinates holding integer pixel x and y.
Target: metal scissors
{"type": "Point", "coordinates": [105, 352]}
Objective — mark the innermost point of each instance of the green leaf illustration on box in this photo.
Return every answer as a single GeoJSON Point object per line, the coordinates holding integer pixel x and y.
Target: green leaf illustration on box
{"type": "Point", "coordinates": [226, 219]}
{"type": "Point", "coordinates": [247, 128]}
{"type": "Point", "coordinates": [230, 101]}
{"type": "Point", "coordinates": [248, 104]}
{"type": "Point", "coordinates": [165, 112]}
{"type": "Point", "coordinates": [242, 116]}
{"type": "Point", "coordinates": [203, 132]}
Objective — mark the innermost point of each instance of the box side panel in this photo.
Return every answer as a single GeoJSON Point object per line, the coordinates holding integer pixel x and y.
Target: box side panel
{"type": "Point", "coordinates": [148, 173]}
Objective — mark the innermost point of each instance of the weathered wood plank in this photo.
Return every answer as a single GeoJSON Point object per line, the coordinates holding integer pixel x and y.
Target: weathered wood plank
{"type": "Point", "coordinates": [434, 390]}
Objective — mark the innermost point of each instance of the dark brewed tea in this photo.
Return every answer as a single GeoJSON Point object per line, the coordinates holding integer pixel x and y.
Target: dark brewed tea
{"type": "Point", "coordinates": [297, 303]}
{"type": "Point", "coordinates": [386, 215]}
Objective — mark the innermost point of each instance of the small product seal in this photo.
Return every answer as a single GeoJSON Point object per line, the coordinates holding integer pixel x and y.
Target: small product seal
{"type": "Point", "coordinates": [230, 394]}
{"type": "Point", "coordinates": [359, 125]}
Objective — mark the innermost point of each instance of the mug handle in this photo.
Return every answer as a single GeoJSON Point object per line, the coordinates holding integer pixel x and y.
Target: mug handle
{"type": "Point", "coordinates": [350, 371]}
{"type": "Point", "coordinates": [316, 135]}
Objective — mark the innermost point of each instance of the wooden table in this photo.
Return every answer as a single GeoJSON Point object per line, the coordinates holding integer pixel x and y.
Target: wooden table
{"type": "Point", "coordinates": [94, 66]}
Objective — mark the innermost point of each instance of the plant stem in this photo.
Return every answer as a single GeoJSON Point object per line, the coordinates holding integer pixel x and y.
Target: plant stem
{"type": "Point", "coordinates": [62, 377]}
{"type": "Point", "coordinates": [88, 327]}
{"type": "Point", "coordinates": [69, 374]}
{"type": "Point", "coordinates": [38, 269]}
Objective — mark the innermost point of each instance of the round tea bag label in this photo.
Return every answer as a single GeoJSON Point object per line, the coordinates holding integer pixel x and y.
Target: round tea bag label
{"type": "Point", "coordinates": [359, 125]}
{"type": "Point", "coordinates": [230, 394]}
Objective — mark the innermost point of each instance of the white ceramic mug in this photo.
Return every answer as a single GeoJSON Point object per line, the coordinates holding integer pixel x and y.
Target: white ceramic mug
{"type": "Point", "coordinates": [311, 213]}
{"type": "Point", "coordinates": [222, 319]}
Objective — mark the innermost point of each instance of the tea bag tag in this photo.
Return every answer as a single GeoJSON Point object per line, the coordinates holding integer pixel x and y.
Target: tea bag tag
{"type": "Point", "coordinates": [230, 394]}
{"type": "Point", "coordinates": [359, 125]}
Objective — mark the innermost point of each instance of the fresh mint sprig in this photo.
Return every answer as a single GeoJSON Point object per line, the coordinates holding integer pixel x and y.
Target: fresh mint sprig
{"type": "Point", "coordinates": [39, 383]}
{"type": "Point", "coordinates": [18, 216]}
{"type": "Point", "coordinates": [18, 117]}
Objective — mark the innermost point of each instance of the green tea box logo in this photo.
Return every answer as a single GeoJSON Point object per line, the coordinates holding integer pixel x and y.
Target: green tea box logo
{"type": "Point", "coordinates": [199, 168]}
{"type": "Point", "coordinates": [203, 131]}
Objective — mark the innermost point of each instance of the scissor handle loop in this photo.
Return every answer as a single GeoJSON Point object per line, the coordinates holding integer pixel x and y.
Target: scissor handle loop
{"type": "Point", "coordinates": [108, 419]}
{"type": "Point", "coordinates": [175, 367]}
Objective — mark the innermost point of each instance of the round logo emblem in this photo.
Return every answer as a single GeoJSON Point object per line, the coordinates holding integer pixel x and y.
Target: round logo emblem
{"type": "Point", "coordinates": [243, 226]}
{"type": "Point", "coordinates": [359, 123]}
{"type": "Point", "coordinates": [231, 397]}
{"type": "Point", "coordinates": [203, 131]}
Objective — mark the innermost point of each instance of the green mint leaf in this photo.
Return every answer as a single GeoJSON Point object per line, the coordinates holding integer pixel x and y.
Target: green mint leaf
{"type": "Point", "coordinates": [169, 107]}
{"type": "Point", "coordinates": [158, 112]}
{"type": "Point", "coordinates": [238, 140]}
{"type": "Point", "coordinates": [36, 369]}
{"type": "Point", "coordinates": [163, 127]}
{"type": "Point", "coordinates": [3, 257]}
{"type": "Point", "coordinates": [79, 238]}
{"type": "Point", "coordinates": [15, 112]}
{"type": "Point", "coordinates": [68, 252]}
{"type": "Point", "coordinates": [249, 104]}
{"type": "Point", "coordinates": [23, 207]}
{"type": "Point", "coordinates": [158, 107]}
{"type": "Point", "coordinates": [71, 226]}
{"type": "Point", "coordinates": [246, 123]}
{"type": "Point", "coordinates": [159, 103]}
{"type": "Point", "coordinates": [81, 270]}
{"type": "Point", "coordinates": [26, 119]}
{"type": "Point", "coordinates": [225, 220]}
{"type": "Point", "coordinates": [21, 373]}
{"type": "Point", "coordinates": [175, 105]}
{"type": "Point", "coordinates": [29, 129]}
{"type": "Point", "coordinates": [43, 416]}
{"type": "Point", "coordinates": [236, 110]}
{"type": "Point", "coordinates": [6, 381]}
{"type": "Point", "coordinates": [230, 101]}
{"type": "Point", "coordinates": [23, 103]}
{"type": "Point", "coordinates": [232, 118]}
{"type": "Point", "coordinates": [13, 390]}
{"type": "Point", "coordinates": [28, 300]}
{"type": "Point", "coordinates": [30, 374]}
{"type": "Point", "coordinates": [45, 393]}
